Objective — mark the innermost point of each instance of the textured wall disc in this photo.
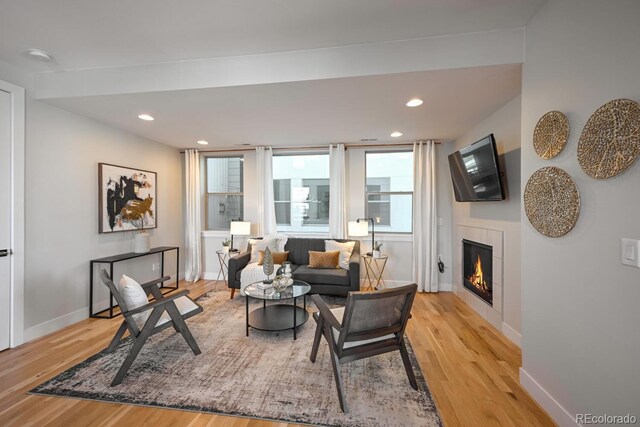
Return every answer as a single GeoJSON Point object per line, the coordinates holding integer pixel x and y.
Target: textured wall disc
{"type": "Point", "coordinates": [610, 141]}
{"type": "Point", "coordinates": [552, 201]}
{"type": "Point", "coordinates": [551, 134]}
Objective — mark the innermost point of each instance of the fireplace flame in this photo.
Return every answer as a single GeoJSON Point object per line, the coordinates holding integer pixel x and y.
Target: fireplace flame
{"type": "Point", "coordinates": [477, 279]}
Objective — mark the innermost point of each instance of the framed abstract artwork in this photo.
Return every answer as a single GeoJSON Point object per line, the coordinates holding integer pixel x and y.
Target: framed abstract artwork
{"type": "Point", "coordinates": [127, 199]}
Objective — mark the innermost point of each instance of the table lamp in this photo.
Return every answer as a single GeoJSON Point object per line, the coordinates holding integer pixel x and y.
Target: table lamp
{"type": "Point", "coordinates": [239, 228]}
{"type": "Point", "coordinates": [360, 228]}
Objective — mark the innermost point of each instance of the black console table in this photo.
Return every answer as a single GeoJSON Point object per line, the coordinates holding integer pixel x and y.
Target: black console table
{"type": "Point", "coordinates": [111, 260]}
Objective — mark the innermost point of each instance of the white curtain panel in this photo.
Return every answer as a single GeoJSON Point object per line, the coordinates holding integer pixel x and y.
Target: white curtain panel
{"type": "Point", "coordinates": [266, 204]}
{"type": "Point", "coordinates": [337, 192]}
{"type": "Point", "coordinates": [193, 255]}
{"type": "Point", "coordinates": [425, 270]}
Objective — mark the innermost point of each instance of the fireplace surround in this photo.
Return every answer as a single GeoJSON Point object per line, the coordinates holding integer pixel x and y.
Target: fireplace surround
{"type": "Point", "coordinates": [494, 239]}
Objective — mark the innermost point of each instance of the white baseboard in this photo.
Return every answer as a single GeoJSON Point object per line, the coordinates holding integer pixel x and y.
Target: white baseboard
{"type": "Point", "coordinates": [513, 335]}
{"type": "Point", "coordinates": [445, 287]}
{"type": "Point", "coordinates": [548, 403]}
{"type": "Point", "coordinates": [56, 324]}
{"type": "Point", "coordinates": [63, 321]}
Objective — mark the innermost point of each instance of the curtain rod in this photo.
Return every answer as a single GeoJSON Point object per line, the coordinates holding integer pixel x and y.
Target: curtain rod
{"type": "Point", "coordinates": [310, 147]}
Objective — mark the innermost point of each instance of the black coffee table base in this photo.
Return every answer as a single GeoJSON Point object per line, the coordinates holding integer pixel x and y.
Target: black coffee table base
{"type": "Point", "coordinates": [276, 317]}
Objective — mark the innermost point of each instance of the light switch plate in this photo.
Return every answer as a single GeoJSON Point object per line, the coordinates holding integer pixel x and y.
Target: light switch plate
{"type": "Point", "coordinates": [630, 252]}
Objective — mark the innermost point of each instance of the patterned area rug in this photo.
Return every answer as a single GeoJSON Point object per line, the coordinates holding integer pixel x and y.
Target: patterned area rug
{"type": "Point", "coordinates": [266, 375]}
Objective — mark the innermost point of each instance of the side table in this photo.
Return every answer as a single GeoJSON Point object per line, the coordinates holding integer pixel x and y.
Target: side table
{"type": "Point", "coordinates": [374, 269]}
{"type": "Point", "coordinates": [223, 260]}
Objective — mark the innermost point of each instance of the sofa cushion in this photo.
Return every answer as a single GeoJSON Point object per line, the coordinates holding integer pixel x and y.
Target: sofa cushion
{"type": "Point", "coordinates": [299, 248]}
{"type": "Point", "coordinates": [335, 276]}
{"type": "Point", "coordinates": [277, 257]}
{"type": "Point", "coordinates": [345, 248]}
{"type": "Point", "coordinates": [324, 259]}
{"type": "Point", "coordinates": [261, 245]}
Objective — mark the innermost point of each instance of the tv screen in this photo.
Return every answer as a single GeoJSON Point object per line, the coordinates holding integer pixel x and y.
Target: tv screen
{"type": "Point", "coordinates": [475, 173]}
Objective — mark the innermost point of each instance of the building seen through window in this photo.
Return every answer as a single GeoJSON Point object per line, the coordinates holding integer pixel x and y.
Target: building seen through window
{"type": "Point", "coordinates": [389, 190]}
{"type": "Point", "coordinates": [301, 192]}
{"type": "Point", "coordinates": [224, 191]}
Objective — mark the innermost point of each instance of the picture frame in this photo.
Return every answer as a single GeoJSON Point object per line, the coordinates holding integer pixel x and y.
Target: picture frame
{"type": "Point", "coordinates": [127, 199]}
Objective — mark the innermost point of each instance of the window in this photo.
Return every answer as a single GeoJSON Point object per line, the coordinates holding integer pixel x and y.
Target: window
{"type": "Point", "coordinates": [301, 192]}
{"type": "Point", "coordinates": [389, 190]}
{"type": "Point", "coordinates": [224, 200]}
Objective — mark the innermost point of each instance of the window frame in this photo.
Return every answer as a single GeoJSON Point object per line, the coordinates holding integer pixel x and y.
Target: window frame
{"type": "Point", "coordinates": [384, 193]}
{"type": "Point", "coordinates": [206, 186]}
{"type": "Point", "coordinates": [293, 153]}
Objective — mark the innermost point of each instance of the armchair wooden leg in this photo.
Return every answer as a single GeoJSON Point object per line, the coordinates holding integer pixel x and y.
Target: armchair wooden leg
{"type": "Point", "coordinates": [316, 339]}
{"type": "Point", "coordinates": [335, 363]}
{"type": "Point", "coordinates": [117, 337]}
{"type": "Point", "coordinates": [233, 291]}
{"type": "Point", "coordinates": [146, 332]}
{"type": "Point", "coordinates": [181, 326]}
{"type": "Point", "coordinates": [407, 365]}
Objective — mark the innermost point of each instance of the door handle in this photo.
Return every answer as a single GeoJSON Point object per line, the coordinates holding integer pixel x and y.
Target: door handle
{"type": "Point", "coordinates": [5, 252]}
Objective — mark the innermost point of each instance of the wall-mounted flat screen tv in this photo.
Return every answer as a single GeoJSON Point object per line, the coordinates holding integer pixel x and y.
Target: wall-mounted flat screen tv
{"type": "Point", "coordinates": [475, 173]}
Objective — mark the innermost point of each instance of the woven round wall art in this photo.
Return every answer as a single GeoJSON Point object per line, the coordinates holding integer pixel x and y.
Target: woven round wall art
{"type": "Point", "coordinates": [552, 201]}
{"type": "Point", "coordinates": [551, 134]}
{"type": "Point", "coordinates": [610, 141]}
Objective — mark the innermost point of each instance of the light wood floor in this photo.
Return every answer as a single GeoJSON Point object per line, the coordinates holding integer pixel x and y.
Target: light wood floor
{"type": "Point", "coordinates": [471, 369]}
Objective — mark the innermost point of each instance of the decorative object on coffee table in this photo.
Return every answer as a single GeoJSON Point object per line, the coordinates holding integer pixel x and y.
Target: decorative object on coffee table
{"type": "Point", "coordinates": [127, 199]}
{"type": "Point", "coordinates": [551, 134]}
{"type": "Point", "coordinates": [374, 270]}
{"type": "Point", "coordinates": [267, 264]}
{"type": "Point", "coordinates": [552, 202]}
{"type": "Point", "coordinates": [610, 141]}
{"type": "Point", "coordinates": [277, 317]}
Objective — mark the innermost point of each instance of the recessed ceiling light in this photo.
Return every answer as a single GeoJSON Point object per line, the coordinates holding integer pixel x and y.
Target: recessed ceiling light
{"type": "Point", "coordinates": [202, 142]}
{"type": "Point", "coordinates": [415, 102]}
{"type": "Point", "coordinates": [145, 117]}
{"type": "Point", "coordinates": [396, 134]}
{"type": "Point", "coordinates": [40, 55]}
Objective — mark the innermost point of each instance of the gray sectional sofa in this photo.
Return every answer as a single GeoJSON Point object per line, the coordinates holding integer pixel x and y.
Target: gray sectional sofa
{"type": "Point", "coordinates": [323, 281]}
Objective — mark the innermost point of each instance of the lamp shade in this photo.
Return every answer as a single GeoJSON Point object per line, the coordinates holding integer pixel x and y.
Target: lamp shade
{"type": "Point", "coordinates": [358, 229]}
{"type": "Point", "coordinates": [240, 228]}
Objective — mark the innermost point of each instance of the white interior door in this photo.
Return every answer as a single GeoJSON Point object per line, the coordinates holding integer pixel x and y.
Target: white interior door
{"type": "Point", "coordinates": [5, 219]}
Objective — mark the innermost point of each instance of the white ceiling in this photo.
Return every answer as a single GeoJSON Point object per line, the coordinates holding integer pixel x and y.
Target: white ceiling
{"type": "Point", "coordinates": [312, 112]}
{"type": "Point", "coordinates": [92, 33]}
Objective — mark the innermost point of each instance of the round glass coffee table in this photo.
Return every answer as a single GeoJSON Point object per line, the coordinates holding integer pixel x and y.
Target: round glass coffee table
{"type": "Point", "coordinates": [277, 317]}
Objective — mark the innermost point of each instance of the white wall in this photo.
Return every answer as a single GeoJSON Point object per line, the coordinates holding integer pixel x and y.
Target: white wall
{"type": "Point", "coordinates": [581, 340]}
{"type": "Point", "coordinates": [503, 215]}
{"type": "Point", "coordinates": [61, 203]}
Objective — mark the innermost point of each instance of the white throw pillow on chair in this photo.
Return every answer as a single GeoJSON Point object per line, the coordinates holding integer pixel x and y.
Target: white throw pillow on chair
{"type": "Point", "coordinates": [134, 296]}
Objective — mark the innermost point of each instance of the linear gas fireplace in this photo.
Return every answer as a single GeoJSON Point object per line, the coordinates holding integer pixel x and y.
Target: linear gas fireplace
{"type": "Point", "coordinates": [477, 269]}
